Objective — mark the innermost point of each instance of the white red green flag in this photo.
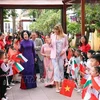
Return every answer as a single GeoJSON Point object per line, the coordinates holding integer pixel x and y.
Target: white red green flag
{"type": "Point", "coordinates": [74, 66]}
{"type": "Point", "coordinates": [17, 68]}
{"type": "Point", "coordinates": [91, 92]}
{"type": "Point", "coordinates": [22, 58]}
{"type": "Point", "coordinates": [88, 82]}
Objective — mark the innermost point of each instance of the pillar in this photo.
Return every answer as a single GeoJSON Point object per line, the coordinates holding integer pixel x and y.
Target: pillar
{"type": "Point", "coordinates": [1, 19]}
{"type": "Point", "coordinates": [82, 17]}
{"type": "Point", "coordinates": [63, 14]}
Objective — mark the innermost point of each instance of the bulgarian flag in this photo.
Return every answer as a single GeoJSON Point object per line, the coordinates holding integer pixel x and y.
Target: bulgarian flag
{"type": "Point", "coordinates": [96, 83]}
{"type": "Point", "coordinates": [74, 66]}
{"type": "Point", "coordinates": [67, 87]}
{"type": "Point", "coordinates": [88, 82]}
{"type": "Point", "coordinates": [89, 93]}
{"type": "Point", "coordinates": [17, 68]}
{"type": "Point", "coordinates": [22, 58]}
{"type": "Point", "coordinates": [85, 91]}
{"type": "Point", "coordinates": [82, 68]}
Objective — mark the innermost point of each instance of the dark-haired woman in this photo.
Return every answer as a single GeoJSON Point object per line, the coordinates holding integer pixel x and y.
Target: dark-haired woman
{"type": "Point", "coordinates": [28, 74]}
{"type": "Point", "coordinates": [84, 46]}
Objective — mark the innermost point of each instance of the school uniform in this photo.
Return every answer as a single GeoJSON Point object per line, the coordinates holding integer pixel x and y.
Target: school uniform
{"type": "Point", "coordinates": [3, 72]}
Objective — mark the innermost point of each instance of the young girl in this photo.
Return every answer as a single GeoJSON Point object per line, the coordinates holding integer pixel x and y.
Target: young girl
{"type": "Point", "coordinates": [94, 75]}
{"type": "Point", "coordinates": [90, 53]}
{"type": "Point", "coordinates": [3, 72]}
{"type": "Point", "coordinates": [49, 70]}
{"type": "Point", "coordinates": [78, 60]}
{"type": "Point", "coordinates": [95, 60]}
{"type": "Point", "coordinates": [94, 89]}
{"type": "Point", "coordinates": [82, 71]}
{"type": "Point", "coordinates": [70, 64]}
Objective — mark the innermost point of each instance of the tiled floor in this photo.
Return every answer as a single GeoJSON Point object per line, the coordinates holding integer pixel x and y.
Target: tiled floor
{"type": "Point", "coordinates": [39, 93]}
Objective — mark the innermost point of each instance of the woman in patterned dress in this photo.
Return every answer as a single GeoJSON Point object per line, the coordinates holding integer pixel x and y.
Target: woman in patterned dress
{"type": "Point", "coordinates": [59, 46]}
{"type": "Point", "coordinates": [49, 72]}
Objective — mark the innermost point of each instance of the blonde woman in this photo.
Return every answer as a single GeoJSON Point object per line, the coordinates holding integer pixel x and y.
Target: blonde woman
{"type": "Point", "coordinates": [59, 46]}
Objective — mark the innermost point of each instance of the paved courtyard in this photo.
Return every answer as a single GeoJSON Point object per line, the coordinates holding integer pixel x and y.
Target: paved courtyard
{"type": "Point", "coordinates": [39, 93]}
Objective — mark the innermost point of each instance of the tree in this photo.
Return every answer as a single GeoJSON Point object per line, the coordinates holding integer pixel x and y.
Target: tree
{"type": "Point", "coordinates": [35, 13]}
{"type": "Point", "coordinates": [46, 21]}
{"type": "Point", "coordinates": [92, 14]}
{"type": "Point", "coordinates": [73, 28]}
{"type": "Point", "coordinates": [10, 13]}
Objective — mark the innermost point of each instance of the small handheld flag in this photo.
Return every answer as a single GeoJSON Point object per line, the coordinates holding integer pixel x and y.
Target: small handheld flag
{"type": "Point", "coordinates": [67, 87]}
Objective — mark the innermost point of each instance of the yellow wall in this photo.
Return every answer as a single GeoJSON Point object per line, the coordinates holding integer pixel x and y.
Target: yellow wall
{"type": "Point", "coordinates": [94, 42]}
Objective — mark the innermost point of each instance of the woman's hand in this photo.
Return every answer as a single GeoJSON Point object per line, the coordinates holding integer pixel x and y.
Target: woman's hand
{"type": "Point", "coordinates": [48, 56]}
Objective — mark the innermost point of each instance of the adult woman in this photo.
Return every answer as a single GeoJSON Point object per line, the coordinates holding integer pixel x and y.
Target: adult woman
{"type": "Point", "coordinates": [45, 51]}
{"type": "Point", "coordinates": [27, 48]}
{"type": "Point", "coordinates": [59, 45]}
{"type": "Point", "coordinates": [84, 46]}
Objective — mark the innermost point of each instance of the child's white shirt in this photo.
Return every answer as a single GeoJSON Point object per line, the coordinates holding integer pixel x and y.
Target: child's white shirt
{"type": "Point", "coordinates": [11, 71]}
{"type": "Point", "coordinates": [4, 67]}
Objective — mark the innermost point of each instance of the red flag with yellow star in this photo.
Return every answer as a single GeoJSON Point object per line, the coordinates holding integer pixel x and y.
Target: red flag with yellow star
{"type": "Point", "coordinates": [67, 87]}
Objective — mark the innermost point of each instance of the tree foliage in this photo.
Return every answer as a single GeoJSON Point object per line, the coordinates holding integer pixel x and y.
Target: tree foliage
{"type": "Point", "coordinates": [9, 12]}
{"type": "Point", "coordinates": [73, 28]}
{"type": "Point", "coordinates": [92, 13]}
{"type": "Point", "coordinates": [35, 13]}
{"type": "Point", "coordinates": [46, 21]}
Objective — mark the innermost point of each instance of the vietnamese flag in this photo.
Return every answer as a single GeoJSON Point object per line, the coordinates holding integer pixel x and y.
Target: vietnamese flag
{"type": "Point", "coordinates": [67, 87]}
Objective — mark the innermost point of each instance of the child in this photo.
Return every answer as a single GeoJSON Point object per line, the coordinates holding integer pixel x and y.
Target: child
{"type": "Point", "coordinates": [82, 73]}
{"type": "Point", "coordinates": [3, 72]}
{"type": "Point", "coordinates": [95, 88]}
{"type": "Point", "coordinates": [78, 60]}
{"type": "Point", "coordinates": [70, 64]}
{"type": "Point", "coordinates": [90, 53]}
{"type": "Point", "coordinates": [95, 60]}
{"type": "Point", "coordinates": [95, 73]}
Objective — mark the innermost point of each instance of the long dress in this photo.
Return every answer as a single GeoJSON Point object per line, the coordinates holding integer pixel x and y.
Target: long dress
{"type": "Point", "coordinates": [28, 79]}
{"type": "Point", "coordinates": [49, 70]}
{"type": "Point", "coordinates": [58, 62]}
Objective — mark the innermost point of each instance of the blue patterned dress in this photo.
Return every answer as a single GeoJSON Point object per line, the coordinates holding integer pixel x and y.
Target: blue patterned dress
{"type": "Point", "coordinates": [58, 62]}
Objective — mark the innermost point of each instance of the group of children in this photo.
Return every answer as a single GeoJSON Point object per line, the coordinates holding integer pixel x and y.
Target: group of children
{"type": "Point", "coordinates": [4, 72]}
{"type": "Point", "coordinates": [81, 67]}
{"type": "Point", "coordinates": [7, 77]}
